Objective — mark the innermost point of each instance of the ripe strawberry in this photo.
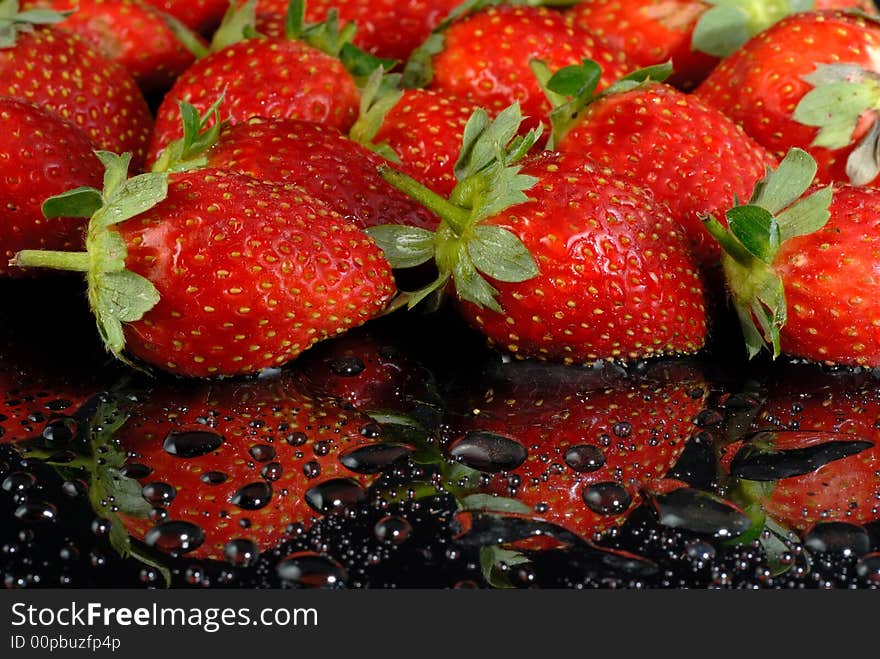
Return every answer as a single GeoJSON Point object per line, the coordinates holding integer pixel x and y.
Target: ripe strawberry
{"type": "Point", "coordinates": [814, 454]}
{"type": "Point", "coordinates": [801, 273]}
{"type": "Point", "coordinates": [485, 57]}
{"type": "Point", "coordinates": [312, 85]}
{"type": "Point", "coordinates": [130, 32]}
{"type": "Point", "coordinates": [215, 273]}
{"type": "Point", "coordinates": [203, 16]}
{"type": "Point", "coordinates": [96, 94]}
{"type": "Point", "coordinates": [693, 34]}
{"type": "Point", "coordinates": [587, 267]}
{"type": "Point", "coordinates": [41, 154]}
{"type": "Point", "coordinates": [762, 84]}
{"type": "Point", "coordinates": [577, 449]}
{"type": "Point", "coordinates": [386, 28]}
{"type": "Point", "coordinates": [693, 158]}
{"type": "Point", "coordinates": [319, 159]}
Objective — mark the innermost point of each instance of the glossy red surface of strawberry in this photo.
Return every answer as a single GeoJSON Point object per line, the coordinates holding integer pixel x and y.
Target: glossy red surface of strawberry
{"type": "Point", "coordinates": [694, 159]}
{"type": "Point", "coordinates": [831, 279]}
{"type": "Point", "coordinates": [97, 94]}
{"type": "Point", "coordinates": [250, 274]}
{"type": "Point", "coordinates": [285, 79]}
{"type": "Point", "coordinates": [617, 277]}
{"type": "Point", "coordinates": [579, 457]}
{"type": "Point", "coordinates": [199, 15]}
{"type": "Point", "coordinates": [132, 33]}
{"type": "Point", "coordinates": [761, 84]}
{"type": "Point", "coordinates": [486, 57]}
{"type": "Point", "coordinates": [245, 461]}
{"type": "Point", "coordinates": [321, 160]}
{"type": "Point", "coordinates": [386, 28]}
{"type": "Point", "coordinates": [41, 154]}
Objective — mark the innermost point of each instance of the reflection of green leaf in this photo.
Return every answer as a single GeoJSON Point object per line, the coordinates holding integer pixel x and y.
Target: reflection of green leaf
{"type": "Point", "coordinates": [490, 503]}
{"type": "Point", "coordinates": [491, 559]}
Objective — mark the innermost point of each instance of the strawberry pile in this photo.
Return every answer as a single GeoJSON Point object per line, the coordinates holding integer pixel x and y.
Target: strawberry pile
{"type": "Point", "coordinates": [607, 187]}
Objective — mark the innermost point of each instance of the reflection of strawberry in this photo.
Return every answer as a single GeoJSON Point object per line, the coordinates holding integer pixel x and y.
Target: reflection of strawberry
{"type": "Point", "coordinates": [199, 15]}
{"type": "Point", "coordinates": [578, 451]}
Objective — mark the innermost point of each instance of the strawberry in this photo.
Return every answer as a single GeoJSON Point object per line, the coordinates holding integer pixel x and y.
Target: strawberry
{"type": "Point", "coordinates": [312, 85]}
{"type": "Point", "coordinates": [319, 159]}
{"type": "Point", "coordinates": [41, 154]}
{"type": "Point", "coordinates": [97, 94]}
{"type": "Point", "coordinates": [801, 271]}
{"type": "Point", "coordinates": [135, 34]}
{"type": "Point", "coordinates": [485, 57]}
{"type": "Point", "coordinates": [386, 28]}
{"type": "Point", "coordinates": [577, 449]}
{"type": "Point", "coordinates": [693, 158]}
{"type": "Point", "coordinates": [588, 267]}
{"type": "Point", "coordinates": [203, 16]}
{"type": "Point", "coordinates": [812, 454]}
{"type": "Point", "coordinates": [215, 273]}
{"type": "Point", "coordinates": [763, 84]}
{"type": "Point", "coordinates": [693, 34]}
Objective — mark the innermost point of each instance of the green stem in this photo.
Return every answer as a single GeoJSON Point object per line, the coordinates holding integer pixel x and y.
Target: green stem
{"type": "Point", "coordinates": [35, 258]}
{"type": "Point", "coordinates": [728, 241]}
{"type": "Point", "coordinates": [457, 218]}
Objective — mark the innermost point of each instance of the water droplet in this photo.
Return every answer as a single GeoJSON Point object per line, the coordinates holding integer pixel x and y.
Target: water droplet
{"type": "Point", "coordinates": [60, 431]}
{"type": "Point", "coordinates": [297, 438]}
{"type": "Point", "coordinates": [36, 511]}
{"type": "Point", "coordinates": [18, 481]}
{"type": "Point", "coordinates": [253, 496]}
{"type": "Point", "coordinates": [100, 526]}
{"type": "Point", "coordinates": [623, 429]}
{"type": "Point", "coordinates": [868, 567]}
{"type": "Point", "coordinates": [838, 538]}
{"type": "Point", "coordinates": [136, 470]}
{"type": "Point", "coordinates": [241, 552]}
{"type": "Point", "coordinates": [176, 537]}
{"type": "Point", "coordinates": [262, 452]}
{"type": "Point", "coordinates": [159, 494]}
{"type": "Point", "coordinates": [486, 451]}
{"type": "Point", "coordinates": [335, 494]}
{"type": "Point", "coordinates": [311, 570]}
{"type": "Point", "coordinates": [374, 458]}
{"type": "Point", "coordinates": [347, 366]}
{"type": "Point", "coordinates": [606, 498]}
{"type": "Point", "coordinates": [584, 458]}
{"type": "Point", "coordinates": [699, 550]}
{"type": "Point", "coordinates": [74, 488]}
{"type": "Point", "coordinates": [272, 471]}
{"type": "Point", "coordinates": [709, 418]}
{"type": "Point", "coordinates": [756, 463]}
{"type": "Point", "coordinates": [192, 443]}
{"type": "Point", "coordinates": [214, 478]}
{"type": "Point", "coordinates": [371, 431]}
{"type": "Point", "coordinates": [311, 469]}
{"type": "Point", "coordinates": [701, 512]}
{"type": "Point", "coordinates": [393, 529]}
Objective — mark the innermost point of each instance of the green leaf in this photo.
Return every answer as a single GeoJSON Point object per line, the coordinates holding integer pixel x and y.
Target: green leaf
{"type": "Point", "coordinates": [491, 560]}
{"type": "Point", "coordinates": [577, 80]}
{"type": "Point", "coordinates": [415, 297]}
{"type": "Point", "coordinates": [806, 216]}
{"type": "Point", "coordinates": [501, 255]}
{"type": "Point", "coordinates": [127, 296]}
{"type": "Point", "coordinates": [115, 171]}
{"type": "Point", "coordinates": [787, 183]}
{"type": "Point", "coordinates": [470, 285]}
{"type": "Point", "coordinates": [185, 36]}
{"type": "Point", "coordinates": [137, 195]}
{"type": "Point", "coordinates": [419, 68]}
{"type": "Point", "coordinates": [379, 94]}
{"type": "Point", "coordinates": [361, 64]}
{"type": "Point", "coordinates": [543, 74]}
{"type": "Point", "coordinates": [835, 109]}
{"type": "Point", "coordinates": [504, 187]}
{"type": "Point", "coordinates": [238, 22]}
{"type": "Point", "coordinates": [80, 202]}
{"type": "Point", "coordinates": [484, 140]}
{"type": "Point", "coordinates": [489, 503]}
{"type": "Point", "coordinates": [404, 246]}
{"type": "Point", "coordinates": [863, 164]}
{"type": "Point", "coordinates": [757, 229]}
{"type": "Point", "coordinates": [721, 31]}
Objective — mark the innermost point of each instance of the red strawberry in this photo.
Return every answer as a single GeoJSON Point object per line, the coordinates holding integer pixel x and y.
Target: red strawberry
{"type": "Point", "coordinates": [215, 273]}
{"type": "Point", "coordinates": [814, 456]}
{"type": "Point", "coordinates": [586, 267]}
{"type": "Point", "coordinates": [199, 15]}
{"type": "Point", "coordinates": [762, 84]}
{"type": "Point", "coordinates": [57, 69]}
{"type": "Point", "coordinates": [802, 273]}
{"type": "Point", "coordinates": [577, 449]}
{"type": "Point", "coordinates": [319, 159]}
{"type": "Point", "coordinates": [485, 57]}
{"type": "Point", "coordinates": [691, 33]}
{"type": "Point", "coordinates": [132, 33]}
{"type": "Point", "coordinates": [41, 154]}
{"type": "Point", "coordinates": [386, 28]}
{"type": "Point", "coordinates": [693, 158]}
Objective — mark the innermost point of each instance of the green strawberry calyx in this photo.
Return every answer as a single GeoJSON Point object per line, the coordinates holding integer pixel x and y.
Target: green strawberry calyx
{"type": "Point", "coordinates": [200, 133]}
{"type": "Point", "coordinates": [379, 95]}
{"type": "Point", "coordinates": [777, 212]}
{"type": "Point", "coordinates": [116, 294]}
{"type": "Point", "coordinates": [572, 89]}
{"type": "Point", "coordinates": [14, 21]}
{"type": "Point", "coordinates": [464, 248]}
{"type": "Point", "coordinates": [725, 27]}
{"type": "Point", "coordinates": [842, 95]}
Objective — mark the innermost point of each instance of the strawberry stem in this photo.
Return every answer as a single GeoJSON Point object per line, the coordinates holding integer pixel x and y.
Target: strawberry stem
{"type": "Point", "coordinates": [457, 218]}
{"type": "Point", "coordinates": [728, 241]}
{"type": "Point", "coordinates": [71, 261]}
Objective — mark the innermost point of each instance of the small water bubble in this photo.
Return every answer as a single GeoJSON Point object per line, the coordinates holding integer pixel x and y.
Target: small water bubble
{"type": "Point", "coordinates": [606, 498]}
{"type": "Point", "coordinates": [148, 575]}
{"type": "Point", "coordinates": [18, 481]}
{"type": "Point", "coordinates": [214, 478]}
{"type": "Point", "coordinates": [192, 443]}
{"type": "Point", "coordinates": [584, 458]}
{"type": "Point", "coordinates": [699, 550]}
{"type": "Point", "coordinates": [157, 515]}
{"type": "Point", "coordinates": [868, 567]}
{"type": "Point", "coordinates": [393, 529]}
{"type": "Point", "coordinates": [487, 451]}
{"type": "Point", "coordinates": [296, 438]}
{"type": "Point", "coordinates": [262, 452]}
{"type": "Point", "coordinates": [60, 431]}
{"type": "Point", "coordinates": [371, 431]}
{"type": "Point", "coordinates": [335, 494]}
{"type": "Point", "coordinates": [311, 469]}
{"type": "Point", "coordinates": [69, 553]}
{"type": "Point", "coordinates": [272, 471]}
{"type": "Point", "coordinates": [241, 552]}
{"type": "Point", "coordinates": [194, 574]}
{"type": "Point", "coordinates": [311, 570]}
{"type": "Point", "coordinates": [623, 429]}
{"type": "Point", "coordinates": [709, 418]}
{"type": "Point", "coordinates": [347, 366]}
{"type": "Point", "coordinates": [838, 538]}
{"type": "Point", "coordinates": [36, 511]}
{"type": "Point", "coordinates": [175, 537]}
{"type": "Point", "coordinates": [136, 470]}
{"type": "Point", "coordinates": [100, 526]}
{"type": "Point", "coordinates": [159, 494]}
{"type": "Point", "coordinates": [252, 496]}
{"type": "Point", "coordinates": [374, 458]}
